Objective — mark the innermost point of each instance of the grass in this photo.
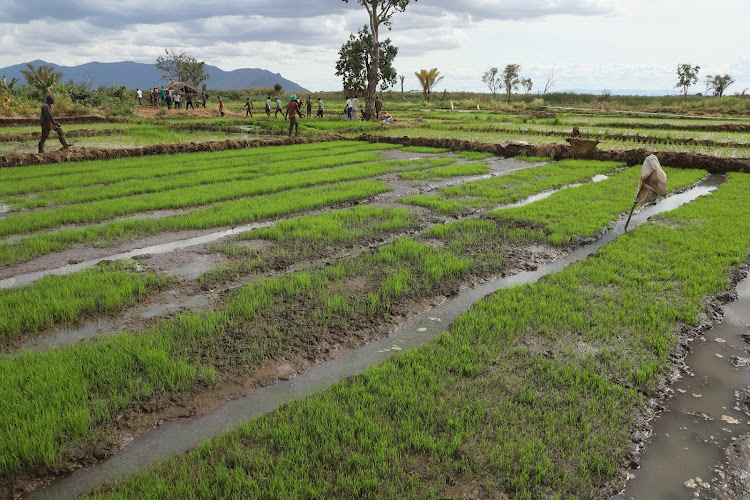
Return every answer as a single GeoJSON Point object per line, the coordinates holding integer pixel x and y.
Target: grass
{"type": "Point", "coordinates": [456, 170]}
{"type": "Point", "coordinates": [560, 214]}
{"type": "Point", "coordinates": [530, 394]}
{"type": "Point", "coordinates": [63, 299]}
{"type": "Point", "coordinates": [486, 193]}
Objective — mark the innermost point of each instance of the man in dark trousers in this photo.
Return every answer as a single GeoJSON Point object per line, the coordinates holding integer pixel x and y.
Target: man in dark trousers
{"type": "Point", "coordinates": [48, 123]}
{"type": "Point", "coordinates": [292, 110]}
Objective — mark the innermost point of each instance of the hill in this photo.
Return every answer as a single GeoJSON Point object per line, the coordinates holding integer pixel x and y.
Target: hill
{"type": "Point", "coordinates": [141, 75]}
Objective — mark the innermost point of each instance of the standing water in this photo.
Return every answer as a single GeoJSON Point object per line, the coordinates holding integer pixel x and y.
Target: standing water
{"type": "Point", "coordinates": [703, 416]}
{"type": "Point", "coordinates": [173, 438]}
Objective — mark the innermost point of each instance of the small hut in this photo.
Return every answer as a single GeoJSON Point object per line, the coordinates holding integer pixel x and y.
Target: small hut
{"type": "Point", "coordinates": [183, 87]}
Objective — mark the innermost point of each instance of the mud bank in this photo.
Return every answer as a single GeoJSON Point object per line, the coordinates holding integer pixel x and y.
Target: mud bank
{"type": "Point", "coordinates": [560, 151]}
{"type": "Point", "coordinates": [18, 121]}
{"type": "Point", "coordinates": [84, 154]}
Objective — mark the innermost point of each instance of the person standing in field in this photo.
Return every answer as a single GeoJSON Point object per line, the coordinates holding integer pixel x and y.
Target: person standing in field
{"type": "Point", "coordinates": [139, 95]}
{"type": "Point", "coordinates": [378, 106]}
{"type": "Point", "coordinates": [355, 108]}
{"type": "Point", "coordinates": [278, 109]}
{"type": "Point", "coordinates": [249, 106]}
{"type": "Point", "coordinates": [221, 106]}
{"type": "Point", "coordinates": [204, 98]}
{"type": "Point", "coordinates": [348, 108]}
{"type": "Point", "coordinates": [320, 108]}
{"type": "Point", "coordinates": [268, 106]}
{"type": "Point", "coordinates": [292, 110]}
{"type": "Point", "coordinates": [48, 123]}
{"type": "Point", "coordinates": [189, 101]}
{"type": "Point", "coordinates": [177, 100]}
{"type": "Point", "coordinates": [309, 106]}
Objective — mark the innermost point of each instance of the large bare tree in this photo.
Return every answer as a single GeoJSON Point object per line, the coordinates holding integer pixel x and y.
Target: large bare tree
{"type": "Point", "coordinates": [380, 13]}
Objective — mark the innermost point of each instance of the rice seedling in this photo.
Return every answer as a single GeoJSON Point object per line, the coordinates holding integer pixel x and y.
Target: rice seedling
{"type": "Point", "coordinates": [63, 299]}
{"type": "Point", "coordinates": [532, 393]}
{"type": "Point", "coordinates": [561, 216]}
{"type": "Point", "coordinates": [512, 187]}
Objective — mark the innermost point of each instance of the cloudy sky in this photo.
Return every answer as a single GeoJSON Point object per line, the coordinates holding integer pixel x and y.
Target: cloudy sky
{"type": "Point", "coordinates": [588, 44]}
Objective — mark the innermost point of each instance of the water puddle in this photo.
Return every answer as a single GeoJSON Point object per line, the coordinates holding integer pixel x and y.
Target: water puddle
{"type": "Point", "coordinates": [25, 279]}
{"type": "Point", "coordinates": [173, 438]}
{"type": "Point", "coordinates": [702, 418]}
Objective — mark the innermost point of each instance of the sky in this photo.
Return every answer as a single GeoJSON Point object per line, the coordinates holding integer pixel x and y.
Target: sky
{"type": "Point", "coordinates": [584, 44]}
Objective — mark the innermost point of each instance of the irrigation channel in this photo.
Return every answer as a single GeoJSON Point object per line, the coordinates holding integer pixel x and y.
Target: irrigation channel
{"type": "Point", "coordinates": [173, 438]}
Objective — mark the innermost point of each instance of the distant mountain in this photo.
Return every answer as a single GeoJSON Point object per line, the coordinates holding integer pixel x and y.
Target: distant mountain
{"type": "Point", "coordinates": [141, 75]}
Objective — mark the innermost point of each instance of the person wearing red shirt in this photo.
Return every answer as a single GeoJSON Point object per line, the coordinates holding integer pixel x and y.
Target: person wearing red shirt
{"type": "Point", "coordinates": [292, 109]}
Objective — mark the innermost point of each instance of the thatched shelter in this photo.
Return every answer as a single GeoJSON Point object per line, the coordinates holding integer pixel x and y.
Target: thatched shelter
{"type": "Point", "coordinates": [183, 87]}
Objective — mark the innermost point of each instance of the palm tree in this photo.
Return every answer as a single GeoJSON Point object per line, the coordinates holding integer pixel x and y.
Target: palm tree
{"type": "Point", "coordinates": [44, 78]}
{"type": "Point", "coordinates": [428, 79]}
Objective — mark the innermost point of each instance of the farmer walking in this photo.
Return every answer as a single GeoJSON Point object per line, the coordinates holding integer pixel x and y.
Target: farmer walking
{"type": "Point", "coordinates": [268, 106]}
{"type": "Point", "coordinates": [320, 108]}
{"type": "Point", "coordinates": [292, 109]}
{"type": "Point", "coordinates": [278, 109]}
{"type": "Point", "coordinates": [348, 108]}
{"type": "Point", "coordinates": [309, 107]}
{"type": "Point", "coordinates": [378, 106]}
{"type": "Point", "coordinates": [48, 123]}
{"type": "Point", "coordinates": [249, 106]}
{"type": "Point", "coordinates": [221, 106]}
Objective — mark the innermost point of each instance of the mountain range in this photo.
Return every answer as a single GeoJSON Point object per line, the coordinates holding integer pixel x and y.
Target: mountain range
{"type": "Point", "coordinates": [135, 75]}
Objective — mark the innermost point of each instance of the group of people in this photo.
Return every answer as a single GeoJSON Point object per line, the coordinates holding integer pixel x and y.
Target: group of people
{"type": "Point", "coordinates": [159, 96]}
{"type": "Point", "coordinates": [351, 109]}
{"type": "Point", "coordinates": [163, 97]}
{"type": "Point", "coordinates": [298, 111]}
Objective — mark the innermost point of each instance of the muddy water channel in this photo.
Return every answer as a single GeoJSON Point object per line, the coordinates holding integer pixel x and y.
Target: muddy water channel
{"type": "Point", "coordinates": [172, 438]}
{"type": "Point", "coordinates": [707, 413]}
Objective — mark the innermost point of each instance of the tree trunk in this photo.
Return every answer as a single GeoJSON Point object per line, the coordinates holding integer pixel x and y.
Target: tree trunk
{"type": "Point", "coordinates": [372, 71]}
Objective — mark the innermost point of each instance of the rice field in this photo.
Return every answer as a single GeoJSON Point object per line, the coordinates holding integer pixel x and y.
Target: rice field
{"type": "Point", "coordinates": [534, 392]}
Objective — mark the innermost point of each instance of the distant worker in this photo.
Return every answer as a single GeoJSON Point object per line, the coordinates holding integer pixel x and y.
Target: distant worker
{"type": "Point", "coordinates": [139, 95]}
{"type": "Point", "coordinates": [189, 101]}
{"type": "Point", "coordinates": [177, 100]}
{"type": "Point", "coordinates": [163, 96]}
{"type": "Point", "coordinates": [320, 108]}
{"type": "Point", "coordinates": [204, 98]}
{"type": "Point", "coordinates": [299, 107]}
{"type": "Point", "coordinates": [169, 100]}
{"type": "Point", "coordinates": [355, 108]}
{"type": "Point", "coordinates": [221, 106]}
{"type": "Point", "coordinates": [378, 106]}
{"type": "Point", "coordinates": [278, 109]}
{"type": "Point", "coordinates": [348, 108]}
{"type": "Point", "coordinates": [309, 106]}
{"type": "Point", "coordinates": [249, 106]}
{"type": "Point", "coordinates": [48, 123]}
{"type": "Point", "coordinates": [268, 106]}
{"type": "Point", "coordinates": [386, 117]}
{"type": "Point", "coordinates": [292, 110]}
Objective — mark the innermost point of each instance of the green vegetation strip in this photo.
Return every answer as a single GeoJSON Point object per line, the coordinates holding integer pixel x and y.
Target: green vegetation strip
{"type": "Point", "coordinates": [449, 171]}
{"type": "Point", "coordinates": [62, 299]}
{"type": "Point", "coordinates": [130, 176]}
{"type": "Point", "coordinates": [585, 210]}
{"type": "Point", "coordinates": [531, 394]}
{"type": "Point", "coordinates": [216, 215]}
{"type": "Point", "coordinates": [512, 187]}
{"type": "Point", "coordinates": [185, 197]}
